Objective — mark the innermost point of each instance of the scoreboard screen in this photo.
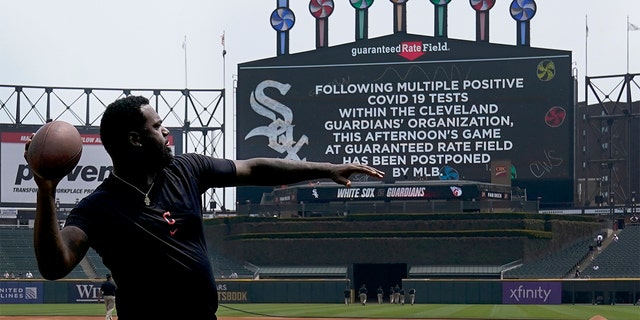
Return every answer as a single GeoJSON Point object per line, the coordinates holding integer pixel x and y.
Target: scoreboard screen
{"type": "Point", "coordinates": [416, 107]}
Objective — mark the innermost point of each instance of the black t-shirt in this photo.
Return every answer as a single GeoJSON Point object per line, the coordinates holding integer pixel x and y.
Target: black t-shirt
{"type": "Point", "coordinates": [108, 288]}
{"type": "Point", "coordinates": [157, 254]}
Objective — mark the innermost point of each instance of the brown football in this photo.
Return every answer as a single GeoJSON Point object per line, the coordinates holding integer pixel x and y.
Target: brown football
{"type": "Point", "coordinates": [55, 150]}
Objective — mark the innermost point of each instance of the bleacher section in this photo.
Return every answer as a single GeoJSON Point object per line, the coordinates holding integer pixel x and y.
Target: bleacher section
{"type": "Point", "coordinates": [16, 252]}
{"type": "Point", "coordinates": [17, 255]}
{"type": "Point", "coordinates": [620, 259]}
{"type": "Point", "coordinates": [96, 263]}
{"type": "Point", "coordinates": [226, 268]}
{"type": "Point", "coordinates": [556, 265]}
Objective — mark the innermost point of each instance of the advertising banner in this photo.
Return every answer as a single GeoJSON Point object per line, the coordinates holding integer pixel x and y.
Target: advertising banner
{"type": "Point", "coordinates": [18, 187]}
{"type": "Point", "coordinates": [20, 292]}
{"type": "Point", "coordinates": [531, 292]}
{"type": "Point", "coordinates": [333, 192]}
{"type": "Point", "coordinates": [84, 291]}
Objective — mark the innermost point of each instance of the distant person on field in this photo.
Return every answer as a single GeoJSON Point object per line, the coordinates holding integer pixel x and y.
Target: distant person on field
{"type": "Point", "coordinates": [412, 295]}
{"type": "Point", "coordinates": [108, 290]}
{"type": "Point", "coordinates": [380, 294]}
{"type": "Point", "coordinates": [347, 296]}
{"type": "Point", "coordinates": [391, 296]}
{"type": "Point", "coordinates": [363, 294]}
{"type": "Point", "coordinates": [396, 294]}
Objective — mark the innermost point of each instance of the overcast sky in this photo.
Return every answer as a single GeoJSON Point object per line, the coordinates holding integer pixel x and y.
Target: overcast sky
{"type": "Point", "coordinates": [132, 43]}
{"type": "Point", "coordinates": [138, 44]}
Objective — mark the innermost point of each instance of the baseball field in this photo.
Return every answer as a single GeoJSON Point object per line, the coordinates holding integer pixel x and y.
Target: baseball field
{"type": "Point", "coordinates": [354, 311]}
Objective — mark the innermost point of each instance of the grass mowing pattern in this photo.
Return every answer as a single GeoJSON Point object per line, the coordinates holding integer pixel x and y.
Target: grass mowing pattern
{"type": "Point", "coordinates": [389, 311]}
{"type": "Point", "coordinates": [427, 311]}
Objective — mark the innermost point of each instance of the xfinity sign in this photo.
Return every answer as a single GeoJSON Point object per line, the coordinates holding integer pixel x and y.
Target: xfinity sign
{"type": "Point", "coordinates": [531, 293]}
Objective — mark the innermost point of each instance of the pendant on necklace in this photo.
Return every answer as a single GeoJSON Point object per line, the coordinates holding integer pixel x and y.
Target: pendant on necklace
{"type": "Point", "coordinates": [147, 202]}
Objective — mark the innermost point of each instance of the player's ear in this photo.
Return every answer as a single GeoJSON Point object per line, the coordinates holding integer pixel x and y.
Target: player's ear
{"type": "Point", "coordinates": [134, 139]}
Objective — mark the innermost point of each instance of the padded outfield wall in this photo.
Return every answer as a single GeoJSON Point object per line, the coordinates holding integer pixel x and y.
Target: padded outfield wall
{"type": "Point", "coordinates": [550, 291]}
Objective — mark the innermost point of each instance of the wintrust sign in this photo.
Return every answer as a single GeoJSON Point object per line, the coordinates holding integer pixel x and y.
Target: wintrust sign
{"type": "Point", "coordinates": [410, 50]}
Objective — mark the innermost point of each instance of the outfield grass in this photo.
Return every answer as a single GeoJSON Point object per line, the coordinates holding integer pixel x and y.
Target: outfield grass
{"type": "Point", "coordinates": [418, 311]}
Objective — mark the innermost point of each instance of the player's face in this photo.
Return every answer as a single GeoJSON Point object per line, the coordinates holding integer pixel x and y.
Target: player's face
{"type": "Point", "coordinates": [154, 139]}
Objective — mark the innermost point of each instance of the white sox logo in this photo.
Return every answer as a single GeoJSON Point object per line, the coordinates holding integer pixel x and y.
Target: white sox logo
{"type": "Point", "coordinates": [280, 130]}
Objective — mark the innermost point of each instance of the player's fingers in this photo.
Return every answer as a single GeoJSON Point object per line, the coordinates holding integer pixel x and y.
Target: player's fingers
{"type": "Point", "coordinates": [28, 142]}
{"type": "Point", "coordinates": [372, 171]}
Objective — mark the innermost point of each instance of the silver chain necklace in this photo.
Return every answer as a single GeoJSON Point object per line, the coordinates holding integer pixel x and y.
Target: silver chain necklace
{"type": "Point", "coordinates": [147, 201]}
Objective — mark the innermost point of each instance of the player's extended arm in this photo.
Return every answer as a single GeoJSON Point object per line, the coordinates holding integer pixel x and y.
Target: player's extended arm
{"type": "Point", "coordinates": [271, 171]}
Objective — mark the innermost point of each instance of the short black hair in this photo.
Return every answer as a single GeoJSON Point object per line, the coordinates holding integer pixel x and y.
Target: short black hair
{"type": "Point", "coordinates": [119, 118]}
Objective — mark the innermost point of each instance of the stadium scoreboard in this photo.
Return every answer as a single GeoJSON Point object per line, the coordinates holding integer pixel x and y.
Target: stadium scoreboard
{"type": "Point", "coordinates": [416, 107]}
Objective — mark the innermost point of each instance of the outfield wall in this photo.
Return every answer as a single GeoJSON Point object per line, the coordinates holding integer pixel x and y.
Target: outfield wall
{"type": "Point", "coordinates": [428, 291]}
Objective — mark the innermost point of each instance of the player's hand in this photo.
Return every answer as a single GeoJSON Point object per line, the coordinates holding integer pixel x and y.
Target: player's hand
{"type": "Point", "coordinates": [41, 182]}
{"type": "Point", "coordinates": [26, 146]}
{"type": "Point", "coordinates": [341, 172]}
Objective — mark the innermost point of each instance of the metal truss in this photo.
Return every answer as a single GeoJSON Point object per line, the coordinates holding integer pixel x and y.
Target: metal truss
{"type": "Point", "coordinates": [198, 115]}
{"type": "Point", "coordinates": [608, 141]}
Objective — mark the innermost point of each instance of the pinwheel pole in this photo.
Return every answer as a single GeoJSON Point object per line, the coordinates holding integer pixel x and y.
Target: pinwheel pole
{"type": "Point", "coordinates": [399, 16]}
{"type": "Point", "coordinates": [282, 20]}
{"type": "Point", "coordinates": [482, 8]}
{"type": "Point", "coordinates": [523, 11]}
{"type": "Point", "coordinates": [362, 14]}
{"type": "Point", "coordinates": [321, 10]}
{"type": "Point", "coordinates": [440, 17]}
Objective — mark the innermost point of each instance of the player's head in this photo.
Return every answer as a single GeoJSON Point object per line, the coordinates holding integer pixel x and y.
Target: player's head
{"type": "Point", "coordinates": [121, 117]}
{"type": "Point", "coordinates": [131, 129]}
{"type": "Point", "coordinates": [108, 276]}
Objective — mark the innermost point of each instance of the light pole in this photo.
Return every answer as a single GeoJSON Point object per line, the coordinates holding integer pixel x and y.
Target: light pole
{"type": "Point", "coordinates": [611, 203]}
